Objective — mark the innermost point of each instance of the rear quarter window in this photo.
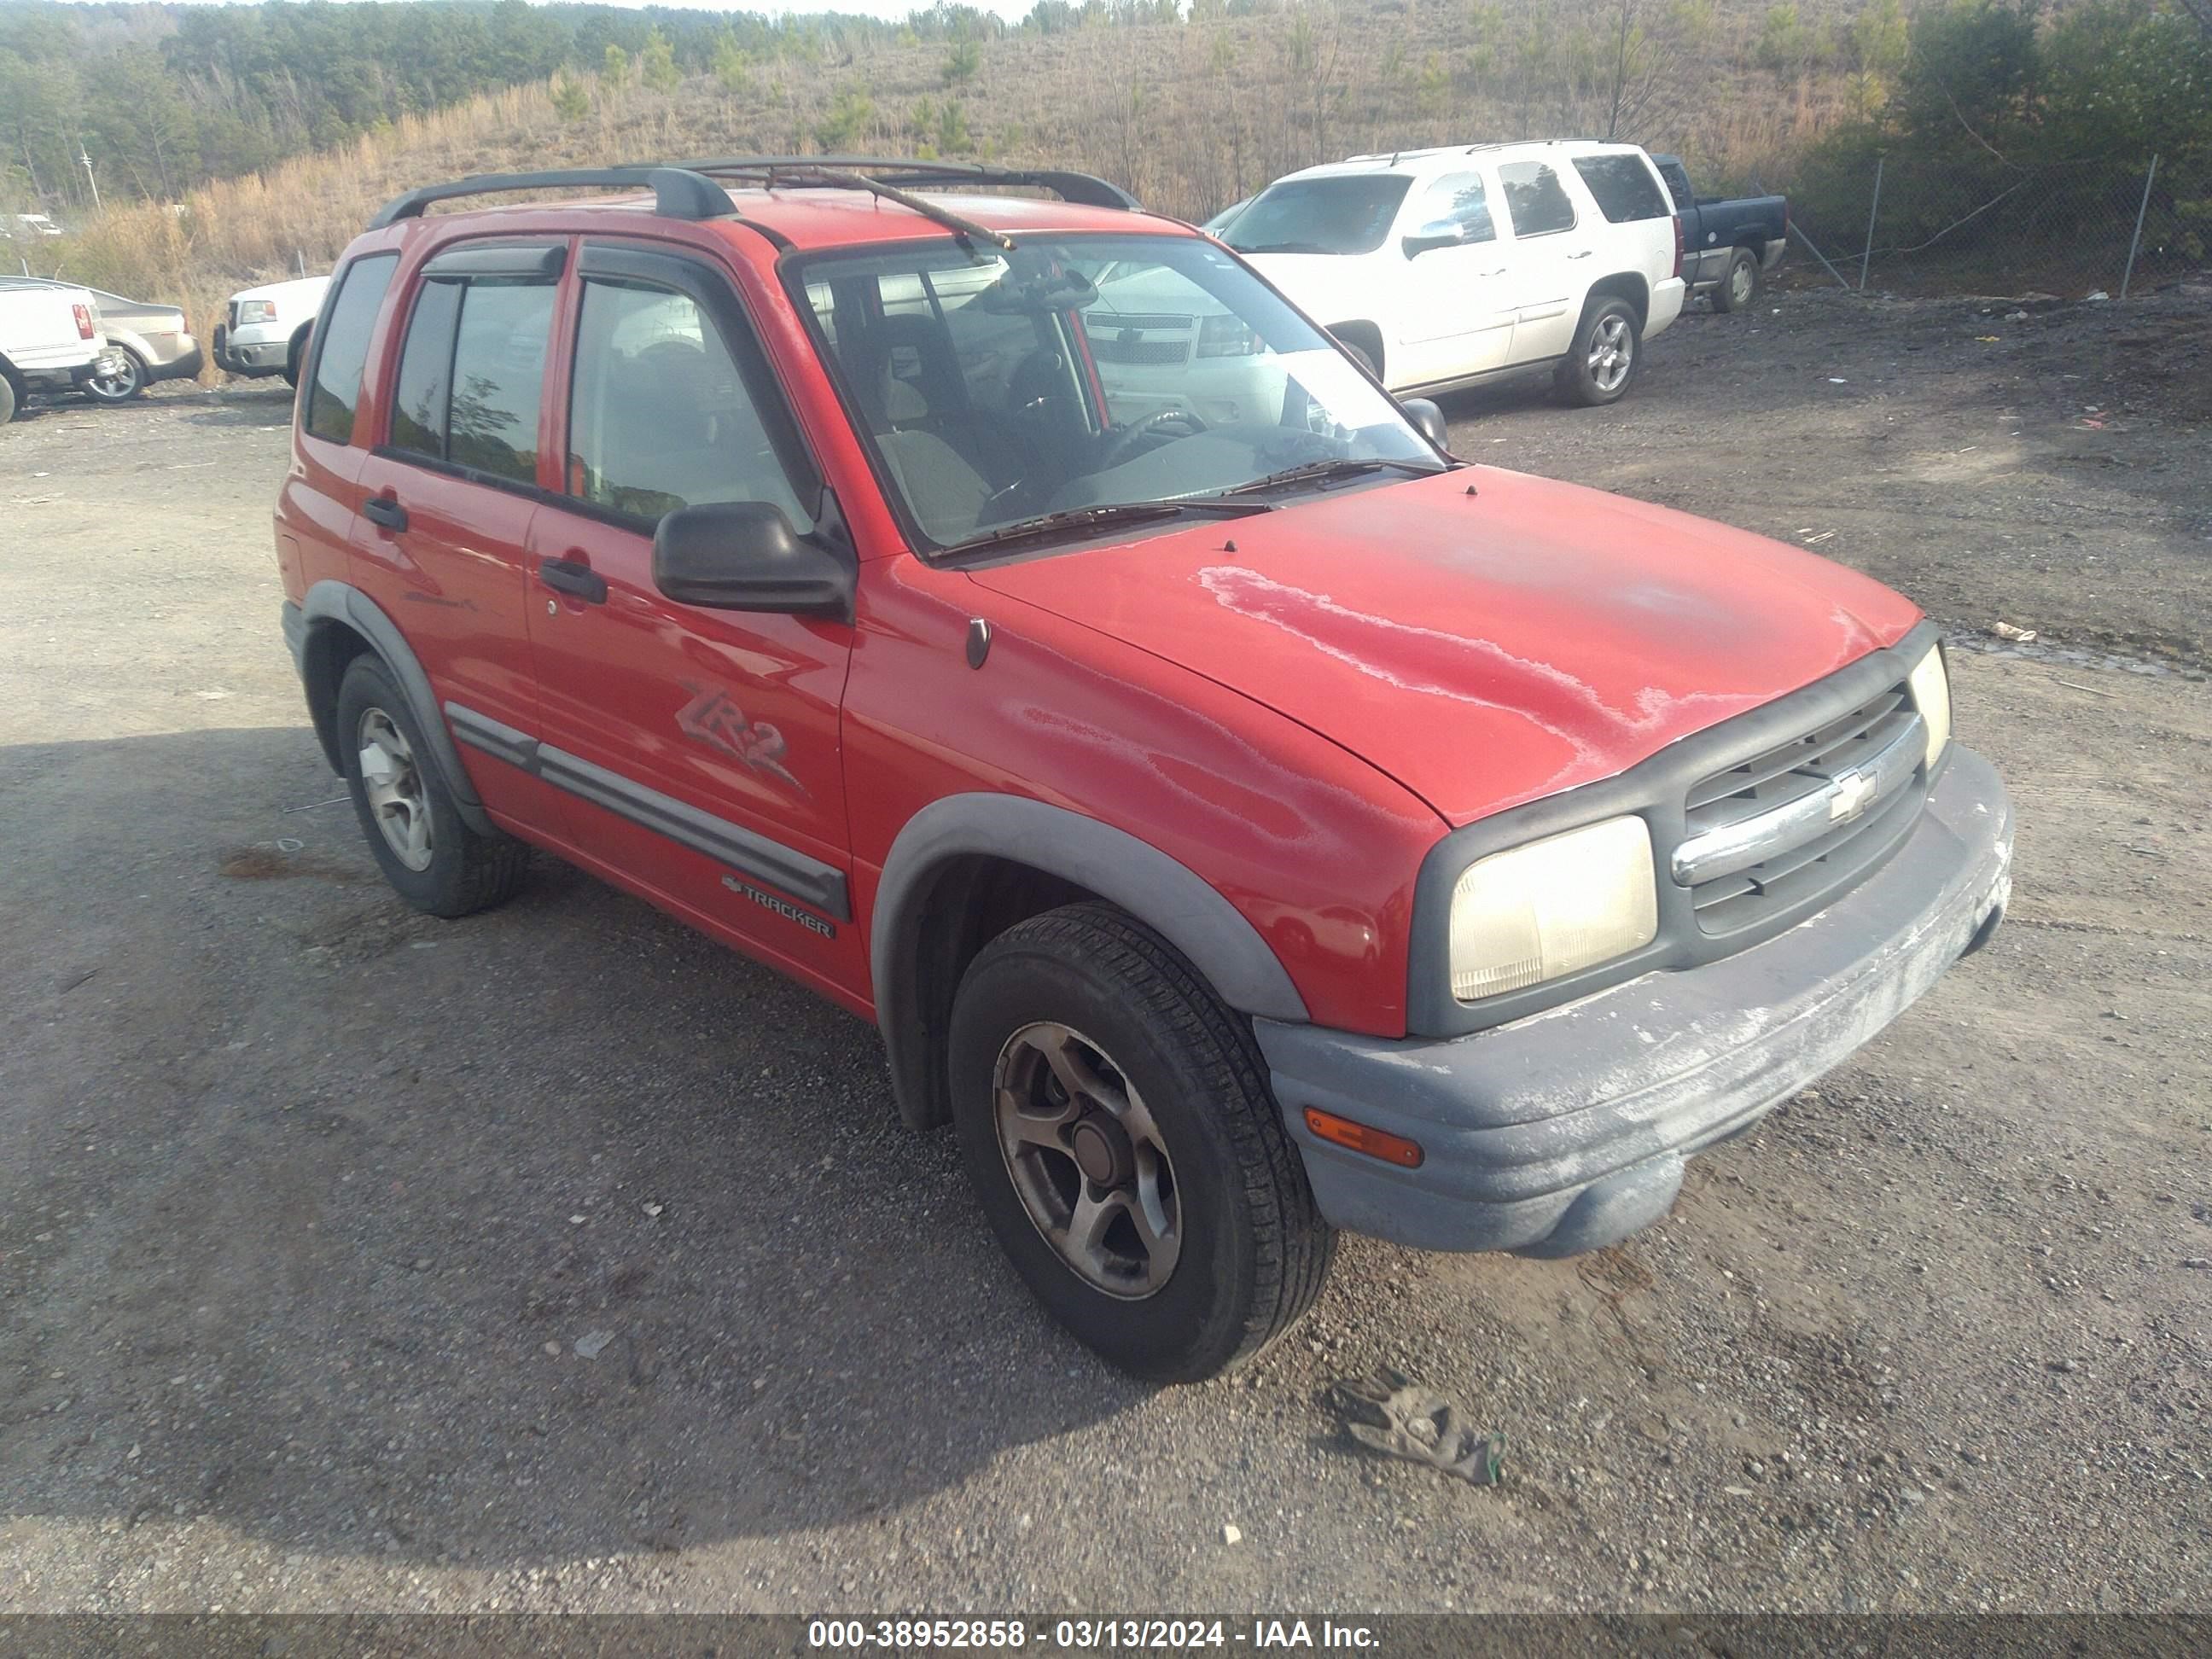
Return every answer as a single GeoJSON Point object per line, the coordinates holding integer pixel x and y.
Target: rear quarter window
{"type": "Point", "coordinates": [1623, 188]}
{"type": "Point", "coordinates": [345, 325]}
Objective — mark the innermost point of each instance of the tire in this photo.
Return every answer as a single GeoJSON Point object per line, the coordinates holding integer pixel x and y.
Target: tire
{"type": "Point", "coordinates": [292, 363]}
{"type": "Point", "coordinates": [8, 401]}
{"type": "Point", "coordinates": [1584, 377]}
{"type": "Point", "coordinates": [447, 869]}
{"type": "Point", "coordinates": [132, 383]}
{"type": "Point", "coordinates": [1244, 1251]}
{"type": "Point", "coordinates": [1361, 354]}
{"type": "Point", "coordinates": [1739, 282]}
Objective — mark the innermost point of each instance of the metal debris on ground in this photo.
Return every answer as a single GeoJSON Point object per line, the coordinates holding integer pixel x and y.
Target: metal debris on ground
{"type": "Point", "coordinates": [2005, 630]}
{"type": "Point", "coordinates": [1404, 1419]}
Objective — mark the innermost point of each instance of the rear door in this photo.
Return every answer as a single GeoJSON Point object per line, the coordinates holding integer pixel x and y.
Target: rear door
{"type": "Point", "coordinates": [698, 751]}
{"type": "Point", "coordinates": [1552, 259]}
{"type": "Point", "coordinates": [1459, 311]}
{"type": "Point", "coordinates": [449, 491]}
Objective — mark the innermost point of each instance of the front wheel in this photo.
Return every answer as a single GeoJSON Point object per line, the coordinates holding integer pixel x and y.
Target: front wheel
{"type": "Point", "coordinates": [120, 387]}
{"type": "Point", "coordinates": [1740, 286]}
{"type": "Point", "coordinates": [1604, 357]}
{"type": "Point", "coordinates": [7, 400]}
{"type": "Point", "coordinates": [1116, 1123]}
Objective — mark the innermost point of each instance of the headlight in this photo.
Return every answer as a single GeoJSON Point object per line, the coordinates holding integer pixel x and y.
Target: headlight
{"type": "Point", "coordinates": [1224, 336]}
{"type": "Point", "coordinates": [1931, 696]}
{"type": "Point", "coordinates": [1556, 905]}
{"type": "Point", "coordinates": [256, 311]}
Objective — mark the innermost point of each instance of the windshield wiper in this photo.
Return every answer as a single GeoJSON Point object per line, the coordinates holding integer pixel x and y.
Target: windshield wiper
{"type": "Point", "coordinates": [1110, 512]}
{"type": "Point", "coordinates": [1343, 466]}
{"type": "Point", "coordinates": [1282, 247]}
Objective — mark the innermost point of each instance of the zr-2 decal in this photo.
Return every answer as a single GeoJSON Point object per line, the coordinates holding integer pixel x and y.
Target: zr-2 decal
{"type": "Point", "coordinates": [713, 717]}
{"type": "Point", "coordinates": [783, 907]}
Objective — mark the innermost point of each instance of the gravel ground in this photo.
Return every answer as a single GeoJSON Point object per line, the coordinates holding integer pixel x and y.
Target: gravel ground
{"type": "Point", "coordinates": [560, 1261]}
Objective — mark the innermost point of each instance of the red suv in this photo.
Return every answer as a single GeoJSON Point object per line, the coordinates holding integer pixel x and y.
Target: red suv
{"type": "Point", "coordinates": [1011, 618]}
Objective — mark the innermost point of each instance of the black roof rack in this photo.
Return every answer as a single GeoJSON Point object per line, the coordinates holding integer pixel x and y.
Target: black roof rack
{"type": "Point", "coordinates": [679, 193]}
{"type": "Point", "coordinates": [1081, 188]}
{"type": "Point", "coordinates": [965, 229]}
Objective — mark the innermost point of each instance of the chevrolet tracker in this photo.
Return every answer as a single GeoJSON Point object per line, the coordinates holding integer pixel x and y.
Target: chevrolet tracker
{"type": "Point", "coordinates": [1011, 618]}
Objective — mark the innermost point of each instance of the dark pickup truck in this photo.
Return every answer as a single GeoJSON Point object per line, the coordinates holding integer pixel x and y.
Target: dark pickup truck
{"type": "Point", "coordinates": [1727, 246]}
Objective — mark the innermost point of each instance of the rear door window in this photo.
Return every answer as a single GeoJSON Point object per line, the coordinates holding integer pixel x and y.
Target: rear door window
{"type": "Point", "coordinates": [498, 370]}
{"type": "Point", "coordinates": [1535, 199]}
{"type": "Point", "coordinates": [1623, 188]}
{"type": "Point", "coordinates": [426, 363]}
{"type": "Point", "coordinates": [471, 373]}
{"type": "Point", "coordinates": [343, 350]}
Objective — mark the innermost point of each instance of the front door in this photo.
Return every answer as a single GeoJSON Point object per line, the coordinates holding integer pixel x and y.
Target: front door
{"type": "Point", "coordinates": [696, 751]}
{"type": "Point", "coordinates": [1459, 314]}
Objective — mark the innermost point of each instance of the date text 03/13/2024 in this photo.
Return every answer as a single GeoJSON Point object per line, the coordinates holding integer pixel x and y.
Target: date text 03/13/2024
{"type": "Point", "coordinates": [1088, 1635]}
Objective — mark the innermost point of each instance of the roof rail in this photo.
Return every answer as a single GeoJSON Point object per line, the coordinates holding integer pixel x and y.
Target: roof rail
{"type": "Point", "coordinates": [1081, 188]}
{"type": "Point", "coordinates": [678, 194]}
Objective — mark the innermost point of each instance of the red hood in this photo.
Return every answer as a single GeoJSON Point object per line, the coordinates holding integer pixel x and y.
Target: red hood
{"type": "Point", "coordinates": [1484, 650]}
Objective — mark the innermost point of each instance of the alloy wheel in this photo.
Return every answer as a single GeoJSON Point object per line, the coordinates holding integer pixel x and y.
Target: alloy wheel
{"type": "Point", "coordinates": [116, 388]}
{"type": "Point", "coordinates": [1740, 279]}
{"type": "Point", "coordinates": [1087, 1161]}
{"type": "Point", "coordinates": [393, 782]}
{"type": "Point", "coordinates": [1611, 352]}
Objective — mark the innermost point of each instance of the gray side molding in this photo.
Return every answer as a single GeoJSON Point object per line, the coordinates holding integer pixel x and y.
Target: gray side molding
{"type": "Point", "coordinates": [328, 602]}
{"type": "Point", "coordinates": [1112, 863]}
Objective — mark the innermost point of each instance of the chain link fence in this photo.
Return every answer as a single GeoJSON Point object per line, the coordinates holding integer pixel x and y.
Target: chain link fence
{"type": "Point", "coordinates": [2069, 229]}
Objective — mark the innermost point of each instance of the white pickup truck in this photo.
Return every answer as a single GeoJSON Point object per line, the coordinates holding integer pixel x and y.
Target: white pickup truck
{"type": "Point", "coordinates": [265, 329]}
{"type": "Point", "coordinates": [50, 340]}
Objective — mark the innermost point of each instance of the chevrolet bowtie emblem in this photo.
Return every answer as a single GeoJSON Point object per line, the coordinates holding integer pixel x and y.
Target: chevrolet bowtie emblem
{"type": "Point", "coordinates": [1850, 796]}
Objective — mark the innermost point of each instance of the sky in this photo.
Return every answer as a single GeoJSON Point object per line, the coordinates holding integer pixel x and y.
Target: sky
{"type": "Point", "coordinates": [1009, 9]}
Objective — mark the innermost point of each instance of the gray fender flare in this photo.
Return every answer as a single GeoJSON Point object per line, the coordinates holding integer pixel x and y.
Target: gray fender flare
{"type": "Point", "coordinates": [338, 603]}
{"type": "Point", "coordinates": [1164, 895]}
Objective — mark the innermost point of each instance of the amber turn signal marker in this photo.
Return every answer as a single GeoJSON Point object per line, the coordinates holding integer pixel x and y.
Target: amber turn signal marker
{"type": "Point", "coordinates": [1358, 1138]}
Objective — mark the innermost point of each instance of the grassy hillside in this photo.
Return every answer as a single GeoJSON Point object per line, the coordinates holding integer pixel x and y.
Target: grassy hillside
{"type": "Point", "coordinates": [1190, 116]}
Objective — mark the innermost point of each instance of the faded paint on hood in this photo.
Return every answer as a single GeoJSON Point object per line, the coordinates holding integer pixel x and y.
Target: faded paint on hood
{"type": "Point", "coordinates": [1483, 650]}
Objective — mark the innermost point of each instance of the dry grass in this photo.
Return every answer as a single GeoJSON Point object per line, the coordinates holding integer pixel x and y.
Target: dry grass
{"type": "Point", "coordinates": [1191, 118]}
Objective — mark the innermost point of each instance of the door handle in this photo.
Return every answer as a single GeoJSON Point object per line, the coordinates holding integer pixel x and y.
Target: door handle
{"type": "Point", "coordinates": [568, 577]}
{"type": "Point", "coordinates": [382, 510]}
{"type": "Point", "coordinates": [1582, 253]}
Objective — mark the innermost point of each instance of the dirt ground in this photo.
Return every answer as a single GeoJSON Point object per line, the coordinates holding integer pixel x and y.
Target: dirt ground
{"type": "Point", "coordinates": [306, 1201]}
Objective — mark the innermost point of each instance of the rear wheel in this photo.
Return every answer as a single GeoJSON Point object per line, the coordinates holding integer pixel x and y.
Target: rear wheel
{"type": "Point", "coordinates": [1739, 286]}
{"type": "Point", "coordinates": [432, 858]}
{"type": "Point", "coordinates": [1116, 1123]}
{"type": "Point", "coordinates": [118, 388]}
{"type": "Point", "coordinates": [8, 401]}
{"type": "Point", "coordinates": [1604, 357]}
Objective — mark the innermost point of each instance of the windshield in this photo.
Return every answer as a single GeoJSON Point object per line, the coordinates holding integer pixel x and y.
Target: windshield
{"type": "Point", "coordinates": [1087, 372]}
{"type": "Point", "coordinates": [1348, 213]}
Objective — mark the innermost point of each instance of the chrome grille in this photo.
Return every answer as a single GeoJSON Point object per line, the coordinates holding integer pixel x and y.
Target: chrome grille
{"type": "Point", "coordinates": [1806, 815]}
{"type": "Point", "coordinates": [1108, 321]}
{"type": "Point", "coordinates": [1111, 350]}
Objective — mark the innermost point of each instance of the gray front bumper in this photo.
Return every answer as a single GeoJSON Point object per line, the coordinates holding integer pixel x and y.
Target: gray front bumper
{"type": "Point", "coordinates": [1566, 1131]}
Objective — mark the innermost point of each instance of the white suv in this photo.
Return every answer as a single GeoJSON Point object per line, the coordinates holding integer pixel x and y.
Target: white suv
{"type": "Point", "coordinates": [1445, 267]}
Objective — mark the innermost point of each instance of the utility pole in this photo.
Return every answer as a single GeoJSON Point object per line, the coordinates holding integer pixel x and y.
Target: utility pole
{"type": "Point", "coordinates": [85, 156]}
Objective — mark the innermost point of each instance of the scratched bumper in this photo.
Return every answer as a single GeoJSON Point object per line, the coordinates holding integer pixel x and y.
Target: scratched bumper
{"type": "Point", "coordinates": [1567, 1130]}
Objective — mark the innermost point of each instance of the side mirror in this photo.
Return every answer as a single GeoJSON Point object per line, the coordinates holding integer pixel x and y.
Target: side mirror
{"type": "Point", "coordinates": [746, 556]}
{"type": "Point", "coordinates": [1437, 232]}
{"type": "Point", "coordinates": [1429, 419]}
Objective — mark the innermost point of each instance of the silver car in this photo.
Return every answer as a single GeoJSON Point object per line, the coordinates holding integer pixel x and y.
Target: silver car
{"type": "Point", "coordinates": [152, 342]}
